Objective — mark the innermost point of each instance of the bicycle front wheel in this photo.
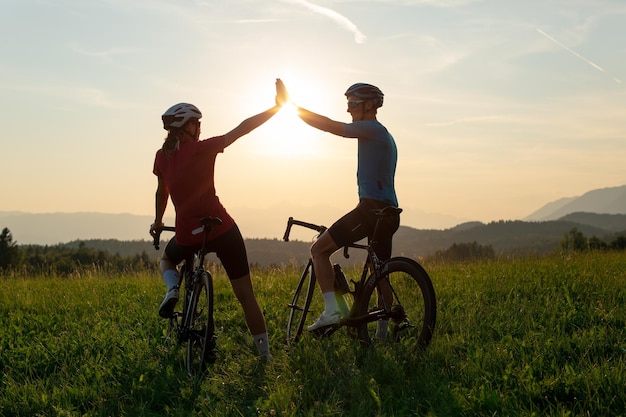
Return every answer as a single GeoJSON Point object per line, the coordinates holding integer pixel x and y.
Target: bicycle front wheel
{"type": "Point", "coordinates": [301, 304]}
{"type": "Point", "coordinates": [398, 306]}
{"type": "Point", "coordinates": [200, 325]}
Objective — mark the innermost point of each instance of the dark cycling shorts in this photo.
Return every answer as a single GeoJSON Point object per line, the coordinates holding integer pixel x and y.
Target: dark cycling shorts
{"type": "Point", "coordinates": [229, 247]}
{"type": "Point", "coordinates": [360, 223]}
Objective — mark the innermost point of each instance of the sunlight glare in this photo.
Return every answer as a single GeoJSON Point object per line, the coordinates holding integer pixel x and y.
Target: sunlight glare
{"type": "Point", "coordinates": [288, 136]}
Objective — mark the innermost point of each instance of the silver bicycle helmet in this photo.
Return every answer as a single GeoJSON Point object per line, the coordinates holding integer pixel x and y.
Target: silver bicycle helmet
{"type": "Point", "coordinates": [366, 91]}
{"type": "Point", "coordinates": [179, 114]}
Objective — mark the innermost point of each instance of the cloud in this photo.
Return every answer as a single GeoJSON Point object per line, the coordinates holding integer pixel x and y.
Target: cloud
{"type": "Point", "coordinates": [344, 22]}
{"type": "Point", "coordinates": [477, 119]}
{"type": "Point", "coordinates": [576, 54]}
{"type": "Point", "coordinates": [247, 21]}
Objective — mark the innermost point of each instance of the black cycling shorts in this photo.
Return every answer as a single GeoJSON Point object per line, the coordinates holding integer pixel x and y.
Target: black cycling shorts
{"type": "Point", "coordinates": [229, 248]}
{"type": "Point", "coordinates": [360, 223]}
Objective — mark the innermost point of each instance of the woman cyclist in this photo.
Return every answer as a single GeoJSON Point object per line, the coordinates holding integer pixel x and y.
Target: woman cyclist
{"type": "Point", "coordinates": [184, 167]}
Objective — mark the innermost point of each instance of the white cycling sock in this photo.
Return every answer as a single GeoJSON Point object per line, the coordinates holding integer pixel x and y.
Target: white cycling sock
{"type": "Point", "coordinates": [170, 277]}
{"type": "Point", "coordinates": [330, 302]}
{"type": "Point", "coordinates": [381, 329]}
{"type": "Point", "coordinates": [262, 343]}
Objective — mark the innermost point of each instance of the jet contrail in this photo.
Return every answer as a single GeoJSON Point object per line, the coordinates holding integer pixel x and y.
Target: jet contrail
{"type": "Point", "coordinates": [576, 54]}
{"type": "Point", "coordinates": [343, 21]}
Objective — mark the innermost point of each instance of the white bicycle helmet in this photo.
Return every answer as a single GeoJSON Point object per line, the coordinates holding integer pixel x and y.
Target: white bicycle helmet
{"type": "Point", "coordinates": [179, 114]}
{"type": "Point", "coordinates": [367, 92]}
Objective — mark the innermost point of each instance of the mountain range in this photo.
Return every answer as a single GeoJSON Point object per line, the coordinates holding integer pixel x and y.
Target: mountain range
{"type": "Point", "coordinates": [600, 213]}
{"type": "Point", "coordinates": [505, 237]}
{"type": "Point", "coordinates": [603, 201]}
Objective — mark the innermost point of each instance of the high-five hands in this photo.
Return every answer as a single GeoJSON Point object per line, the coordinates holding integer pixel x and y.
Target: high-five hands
{"type": "Point", "coordinates": [282, 96]}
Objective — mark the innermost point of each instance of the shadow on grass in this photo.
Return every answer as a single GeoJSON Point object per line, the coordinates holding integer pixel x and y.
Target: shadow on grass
{"type": "Point", "coordinates": [338, 377]}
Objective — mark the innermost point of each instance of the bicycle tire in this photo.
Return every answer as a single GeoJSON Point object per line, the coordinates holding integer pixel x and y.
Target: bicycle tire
{"type": "Point", "coordinates": [175, 321]}
{"type": "Point", "coordinates": [200, 325]}
{"type": "Point", "coordinates": [301, 304]}
{"type": "Point", "coordinates": [411, 314]}
{"type": "Point", "coordinates": [185, 284]}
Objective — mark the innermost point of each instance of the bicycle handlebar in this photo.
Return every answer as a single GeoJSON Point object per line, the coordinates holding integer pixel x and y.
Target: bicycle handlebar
{"type": "Point", "coordinates": [291, 222]}
{"type": "Point", "coordinates": [320, 229]}
{"type": "Point", "coordinates": [157, 236]}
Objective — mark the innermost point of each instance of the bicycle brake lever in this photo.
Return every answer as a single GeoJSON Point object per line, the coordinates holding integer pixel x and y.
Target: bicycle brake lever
{"type": "Point", "coordinates": [289, 224]}
{"type": "Point", "coordinates": [156, 240]}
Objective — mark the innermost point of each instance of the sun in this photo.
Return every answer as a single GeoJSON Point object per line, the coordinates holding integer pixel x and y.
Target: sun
{"type": "Point", "coordinates": [286, 135]}
{"type": "Point", "coordinates": [289, 136]}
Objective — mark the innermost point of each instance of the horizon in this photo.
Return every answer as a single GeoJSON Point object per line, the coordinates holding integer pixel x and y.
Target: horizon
{"type": "Point", "coordinates": [63, 227]}
{"type": "Point", "coordinates": [496, 111]}
{"type": "Point", "coordinates": [272, 227]}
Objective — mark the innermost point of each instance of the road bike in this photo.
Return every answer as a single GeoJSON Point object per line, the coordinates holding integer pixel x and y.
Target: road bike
{"type": "Point", "coordinates": [393, 300]}
{"type": "Point", "coordinates": [193, 325]}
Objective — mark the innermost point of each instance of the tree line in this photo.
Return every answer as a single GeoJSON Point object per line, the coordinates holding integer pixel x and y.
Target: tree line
{"type": "Point", "coordinates": [64, 259]}
{"type": "Point", "coordinates": [61, 260]}
{"type": "Point", "coordinates": [576, 241]}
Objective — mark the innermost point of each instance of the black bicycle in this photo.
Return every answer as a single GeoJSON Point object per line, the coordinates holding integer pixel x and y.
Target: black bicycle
{"type": "Point", "coordinates": [393, 300]}
{"type": "Point", "coordinates": [194, 324]}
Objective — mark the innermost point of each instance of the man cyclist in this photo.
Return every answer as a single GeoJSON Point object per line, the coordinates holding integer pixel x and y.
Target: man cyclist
{"type": "Point", "coordinates": [377, 158]}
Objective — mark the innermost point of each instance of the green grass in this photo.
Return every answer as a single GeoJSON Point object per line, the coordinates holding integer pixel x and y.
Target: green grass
{"type": "Point", "coordinates": [521, 337]}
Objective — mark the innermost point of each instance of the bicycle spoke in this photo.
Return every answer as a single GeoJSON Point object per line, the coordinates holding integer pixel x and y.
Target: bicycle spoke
{"type": "Point", "coordinates": [410, 320]}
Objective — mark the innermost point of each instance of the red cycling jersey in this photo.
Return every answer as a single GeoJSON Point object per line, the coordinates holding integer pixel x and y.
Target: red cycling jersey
{"type": "Point", "coordinates": [188, 174]}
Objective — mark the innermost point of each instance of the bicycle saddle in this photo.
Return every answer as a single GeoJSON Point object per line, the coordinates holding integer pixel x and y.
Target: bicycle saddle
{"type": "Point", "coordinates": [388, 211]}
{"type": "Point", "coordinates": [209, 220]}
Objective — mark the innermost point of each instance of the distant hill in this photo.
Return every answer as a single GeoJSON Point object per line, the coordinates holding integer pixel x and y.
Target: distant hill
{"type": "Point", "coordinates": [53, 228]}
{"type": "Point", "coordinates": [506, 237]}
{"type": "Point", "coordinates": [608, 222]}
{"type": "Point", "coordinates": [547, 211]}
{"type": "Point", "coordinates": [600, 213]}
{"type": "Point", "coordinates": [602, 201]}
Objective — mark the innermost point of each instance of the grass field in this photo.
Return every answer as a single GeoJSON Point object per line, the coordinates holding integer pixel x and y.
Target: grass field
{"type": "Point", "coordinates": [521, 337]}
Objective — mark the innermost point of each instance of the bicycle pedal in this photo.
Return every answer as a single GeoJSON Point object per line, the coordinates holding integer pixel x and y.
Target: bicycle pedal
{"type": "Point", "coordinates": [326, 331]}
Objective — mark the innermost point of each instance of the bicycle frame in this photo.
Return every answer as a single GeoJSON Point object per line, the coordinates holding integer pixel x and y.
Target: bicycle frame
{"type": "Point", "coordinates": [392, 278]}
{"type": "Point", "coordinates": [372, 265]}
{"type": "Point", "coordinates": [195, 325]}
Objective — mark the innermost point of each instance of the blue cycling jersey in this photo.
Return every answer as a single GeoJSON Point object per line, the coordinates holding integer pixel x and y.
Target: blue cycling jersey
{"type": "Point", "coordinates": [377, 158]}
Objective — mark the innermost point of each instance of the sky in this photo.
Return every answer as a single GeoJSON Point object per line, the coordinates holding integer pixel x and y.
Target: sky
{"type": "Point", "coordinates": [497, 107]}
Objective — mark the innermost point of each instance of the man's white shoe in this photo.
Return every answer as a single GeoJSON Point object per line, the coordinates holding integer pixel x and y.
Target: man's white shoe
{"type": "Point", "coordinates": [169, 302]}
{"type": "Point", "coordinates": [325, 320]}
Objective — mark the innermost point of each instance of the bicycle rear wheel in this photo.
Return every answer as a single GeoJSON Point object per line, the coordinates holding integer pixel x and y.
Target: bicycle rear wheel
{"type": "Point", "coordinates": [200, 325]}
{"type": "Point", "coordinates": [301, 304]}
{"type": "Point", "coordinates": [407, 304]}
